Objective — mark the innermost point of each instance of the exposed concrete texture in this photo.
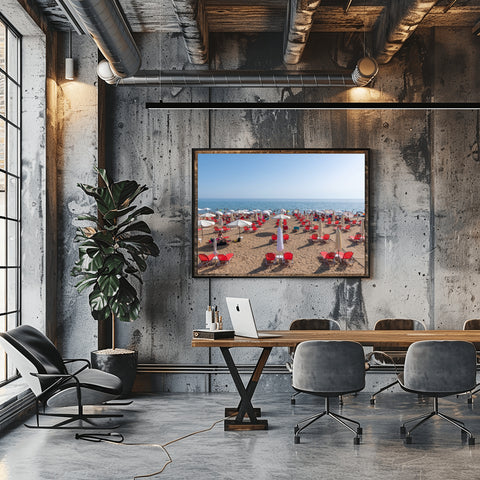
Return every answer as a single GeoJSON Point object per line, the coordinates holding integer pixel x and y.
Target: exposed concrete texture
{"type": "Point", "coordinates": [424, 177]}
{"type": "Point", "coordinates": [76, 158]}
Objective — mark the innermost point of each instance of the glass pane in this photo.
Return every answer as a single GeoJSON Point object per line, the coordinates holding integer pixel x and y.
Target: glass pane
{"type": "Point", "coordinates": [3, 197]}
{"type": "Point", "coordinates": [12, 58]}
{"type": "Point", "coordinates": [2, 143]}
{"type": "Point", "coordinates": [3, 362]}
{"type": "Point", "coordinates": [2, 46]}
{"type": "Point", "coordinates": [3, 291]}
{"type": "Point", "coordinates": [13, 153]}
{"type": "Point", "coordinates": [12, 320]}
{"type": "Point", "coordinates": [12, 197]}
{"type": "Point", "coordinates": [3, 92]}
{"type": "Point", "coordinates": [3, 242]}
{"type": "Point", "coordinates": [11, 289]}
{"type": "Point", "coordinates": [12, 102]}
{"type": "Point", "coordinates": [12, 251]}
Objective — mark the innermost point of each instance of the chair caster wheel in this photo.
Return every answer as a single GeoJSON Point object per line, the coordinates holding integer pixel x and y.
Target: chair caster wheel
{"type": "Point", "coordinates": [360, 431]}
{"type": "Point", "coordinates": [356, 441]}
{"type": "Point", "coordinates": [292, 401]}
{"type": "Point", "coordinates": [372, 401]}
{"type": "Point", "coordinates": [471, 441]}
{"type": "Point", "coordinates": [403, 430]}
{"type": "Point", "coordinates": [408, 440]}
{"type": "Point", "coordinates": [296, 439]}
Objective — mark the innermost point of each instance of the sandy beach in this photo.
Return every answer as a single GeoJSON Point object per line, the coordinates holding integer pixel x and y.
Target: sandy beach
{"type": "Point", "coordinates": [249, 253]}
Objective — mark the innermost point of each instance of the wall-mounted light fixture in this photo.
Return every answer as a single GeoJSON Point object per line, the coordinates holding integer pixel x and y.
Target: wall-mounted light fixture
{"type": "Point", "coordinates": [365, 71]}
{"type": "Point", "coordinates": [69, 71]}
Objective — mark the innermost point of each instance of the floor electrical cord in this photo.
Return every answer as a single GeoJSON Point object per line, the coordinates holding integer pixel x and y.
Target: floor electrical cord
{"type": "Point", "coordinates": [118, 439]}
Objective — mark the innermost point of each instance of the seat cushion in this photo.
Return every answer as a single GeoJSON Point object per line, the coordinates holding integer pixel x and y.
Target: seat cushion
{"type": "Point", "coordinates": [96, 387]}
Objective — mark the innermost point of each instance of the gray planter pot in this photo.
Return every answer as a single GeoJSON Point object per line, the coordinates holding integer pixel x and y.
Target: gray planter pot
{"type": "Point", "coordinates": [119, 362]}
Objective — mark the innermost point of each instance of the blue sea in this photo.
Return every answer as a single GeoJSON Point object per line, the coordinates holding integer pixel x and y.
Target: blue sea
{"type": "Point", "coordinates": [275, 204]}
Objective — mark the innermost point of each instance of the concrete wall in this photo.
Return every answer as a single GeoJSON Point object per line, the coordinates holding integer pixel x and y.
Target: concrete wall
{"type": "Point", "coordinates": [423, 195]}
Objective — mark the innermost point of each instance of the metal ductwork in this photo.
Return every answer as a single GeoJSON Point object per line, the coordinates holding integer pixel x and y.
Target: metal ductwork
{"type": "Point", "coordinates": [203, 78]}
{"type": "Point", "coordinates": [108, 28]}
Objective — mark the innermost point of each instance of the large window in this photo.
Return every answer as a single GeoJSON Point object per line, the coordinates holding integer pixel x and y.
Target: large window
{"type": "Point", "coordinates": [10, 108]}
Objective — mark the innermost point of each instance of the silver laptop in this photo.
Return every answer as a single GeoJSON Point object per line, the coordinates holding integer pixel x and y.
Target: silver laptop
{"type": "Point", "coordinates": [241, 315]}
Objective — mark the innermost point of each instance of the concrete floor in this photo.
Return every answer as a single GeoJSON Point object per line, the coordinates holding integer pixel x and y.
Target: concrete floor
{"type": "Point", "coordinates": [326, 451]}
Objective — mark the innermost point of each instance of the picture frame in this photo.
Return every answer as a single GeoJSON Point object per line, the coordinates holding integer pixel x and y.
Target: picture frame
{"type": "Point", "coordinates": [266, 213]}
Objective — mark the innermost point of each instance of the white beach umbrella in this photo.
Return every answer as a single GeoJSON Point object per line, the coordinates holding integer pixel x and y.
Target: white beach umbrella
{"type": "Point", "coordinates": [280, 239]}
{"type": "Point", "coordinates": [240, 224]}
{"type": "Point", "coordinates": [207, 215]}
{"type": "Point", "coordinates": [338, 241]}
{"type": "Point", "coordinates": [281, 216]}
{"type": "Point", "coordinates": [218, 212]}
{"type": "Point", "coordinates": [205, 223]}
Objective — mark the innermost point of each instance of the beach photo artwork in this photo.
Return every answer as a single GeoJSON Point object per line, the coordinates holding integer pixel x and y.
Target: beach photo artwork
{"type": "Point", "coordinates": [280, 213]}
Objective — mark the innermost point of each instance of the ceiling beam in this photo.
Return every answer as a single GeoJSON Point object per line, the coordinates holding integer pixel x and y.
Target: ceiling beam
{"type": "Point", "coordinates": [395, 25]}
{"type": "Point", "coordinates": [297, 29]}
{"type": "Point", "coordinates": [193, 23]}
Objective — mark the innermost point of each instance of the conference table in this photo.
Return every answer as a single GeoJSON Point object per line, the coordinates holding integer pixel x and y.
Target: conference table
{"type": "Point", "coordinates": [247, 417]}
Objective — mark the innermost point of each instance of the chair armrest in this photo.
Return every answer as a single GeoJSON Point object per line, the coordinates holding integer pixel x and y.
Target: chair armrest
{"type": "Point", "coordinates": [61, 378]}
{"type": "Point", "coordinates": [71, 360]}
{"type": "Point", "coordinates": [369, 356]}
{"type": "Point", "coordinates": [289, 367]}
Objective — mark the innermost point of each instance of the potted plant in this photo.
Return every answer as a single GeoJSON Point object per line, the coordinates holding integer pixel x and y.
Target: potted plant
{"type": "Point", "coordinates": [112, 254]}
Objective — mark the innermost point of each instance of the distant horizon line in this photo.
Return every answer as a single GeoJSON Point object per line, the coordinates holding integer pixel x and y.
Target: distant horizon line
{"type": "Point", "coordinates": [278, 198]}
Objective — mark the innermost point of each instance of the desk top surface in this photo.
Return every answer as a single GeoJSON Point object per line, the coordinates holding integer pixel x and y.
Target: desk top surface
{"type": "Point", "coordinates": [291, 338]}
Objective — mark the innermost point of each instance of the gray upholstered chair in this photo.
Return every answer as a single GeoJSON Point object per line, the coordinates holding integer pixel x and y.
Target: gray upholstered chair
{"type": "Point", "coordinates": [394, 355]}
{"type": "Point", "coordinates": [309, 324]}
{"type": "Point", "coordinates": [438, 368]}
{"type": "Point", "coordinates": [45, 372]}
{"type": "Point", "coordinates": [328, 369]}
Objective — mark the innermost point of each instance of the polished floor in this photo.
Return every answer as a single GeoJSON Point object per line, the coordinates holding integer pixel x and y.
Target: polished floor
{"type": "Point", "coordinates": [326, 450]}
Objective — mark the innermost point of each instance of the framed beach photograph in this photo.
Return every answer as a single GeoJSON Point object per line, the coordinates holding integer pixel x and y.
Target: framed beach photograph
{"type": "Point", "coordinates": [280, 213]}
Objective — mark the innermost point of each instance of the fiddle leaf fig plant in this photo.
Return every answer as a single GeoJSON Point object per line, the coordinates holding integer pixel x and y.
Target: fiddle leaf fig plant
{"type": "Point", "coordinates": [114, 250]}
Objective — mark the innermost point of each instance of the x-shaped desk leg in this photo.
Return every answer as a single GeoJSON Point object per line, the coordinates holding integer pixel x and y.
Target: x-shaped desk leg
{"type": "Point", "coordinates": [245, 406]}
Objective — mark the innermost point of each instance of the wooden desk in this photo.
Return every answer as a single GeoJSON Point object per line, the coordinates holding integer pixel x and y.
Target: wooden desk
{"type": "Point", "coordinates": [291, 338]}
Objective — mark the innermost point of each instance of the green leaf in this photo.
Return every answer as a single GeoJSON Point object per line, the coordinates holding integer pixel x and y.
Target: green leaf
{"type": "Point", "coordinates": [109, 284]}
{"type": "Point", "coordinates": [82, 285]}
{"type": "Point", "coordinates": [114, 263]}
{"type": "Point", "coordinates": [137, 213]}
{"type": "Point", "coordinates": [114, 213]}
{"type": "Point", "coordinates": [88, 217]}
{"type": "Point", "coordinates": [97, 300]}
{"type": "Point", "coordinates": [140, 226]}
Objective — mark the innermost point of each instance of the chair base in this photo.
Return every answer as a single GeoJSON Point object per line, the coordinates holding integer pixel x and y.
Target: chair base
{"type": "Point", "coordinates": [71, 418]}
{"type": "Point", "coordinates": [373, 397]}
{"type": "Point", "coordinates": [327, 412]}
{"type": "Point", "coordinates": [423, 418]}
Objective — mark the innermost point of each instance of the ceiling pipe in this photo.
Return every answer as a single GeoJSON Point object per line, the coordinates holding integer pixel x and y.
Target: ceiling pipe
{"type": "Point", "coordinates": [203, 78]}
{"type": "Point", "coordinates": [105, 23]}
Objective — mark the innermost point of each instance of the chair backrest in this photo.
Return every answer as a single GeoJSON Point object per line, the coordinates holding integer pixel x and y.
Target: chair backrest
{"type": "Point", "coordinates": [472, 324]}
{"type": "Point", "coordinates": [396, 324]}
{"type": "Point", "coordinates": [270, 256]}
{"type": "Point", "coordinates": [440, 366]}
{"type": "Point", "coordinates": [288, 256]}
{"type": "Point", "coordinates": [313, 324]}
{"type": "Point", "coordinates": [30, 351]}
{"type": "Point", "coordinates": [329, 367]}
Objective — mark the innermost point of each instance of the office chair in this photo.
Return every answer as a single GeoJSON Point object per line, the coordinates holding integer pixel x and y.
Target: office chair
{"type": "Point", "coordinates": [438, 368]}
{"type": "Point", "coordinates": [472, 324]}
{"type": "Point", "coordinates": [44, 371]}
{"type": "Point", "coordinates": [309, 324]}
{"type": "Point", "coordinates": [394, 355]}
{"type": "Point", "coordinates": [328, 369]}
